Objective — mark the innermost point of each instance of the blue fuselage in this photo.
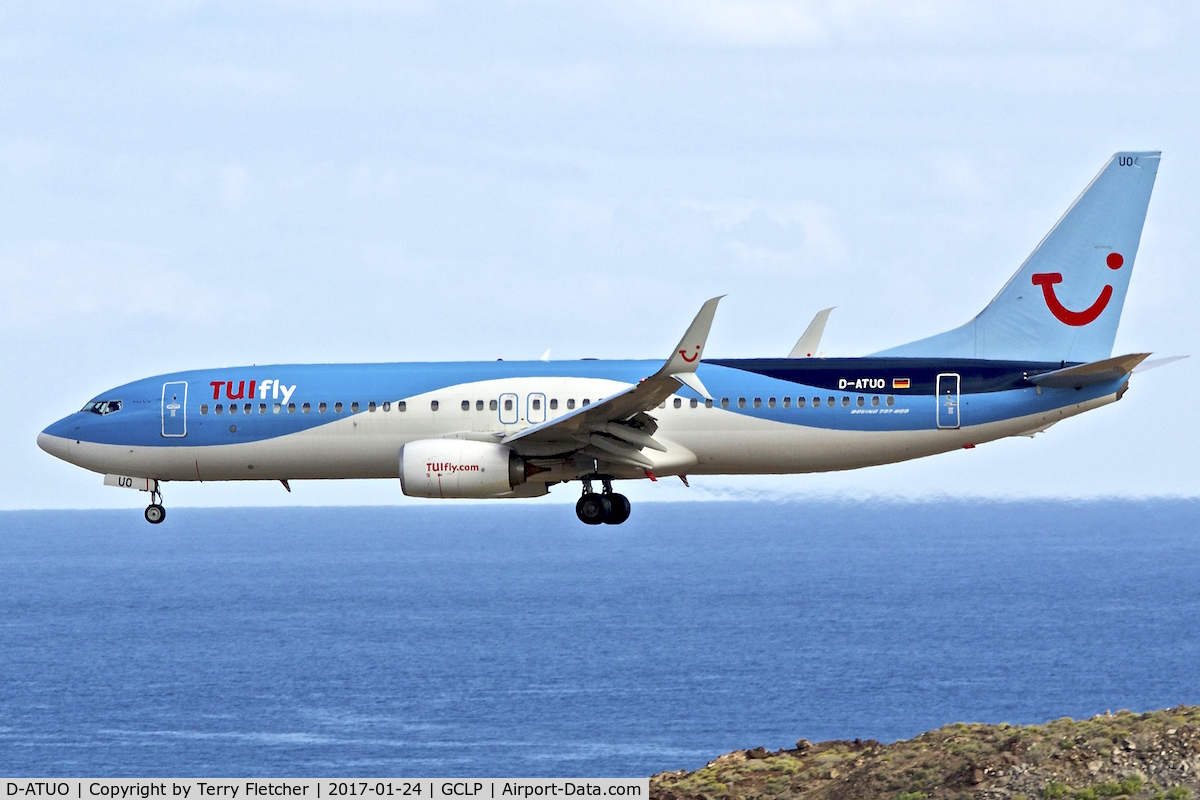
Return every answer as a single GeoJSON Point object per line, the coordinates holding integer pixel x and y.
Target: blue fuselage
{"type": "Point", "coordinates": [764, 415]}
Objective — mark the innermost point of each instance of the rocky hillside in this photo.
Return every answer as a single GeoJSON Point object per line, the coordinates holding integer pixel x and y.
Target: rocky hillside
{"type": "Point", "coordinates": [1122, 755]}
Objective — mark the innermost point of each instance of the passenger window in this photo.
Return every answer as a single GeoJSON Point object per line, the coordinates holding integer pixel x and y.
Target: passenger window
{"type": "Point", "coordinates": [387, 406]}
{"type": "Point", "coordinates": [537, 404]}
{"type": "Point", "coordinates": [816, 402]}
{"type": "Point", "coordinates": [678, 403]}
{"type": "Point", "coordinates": [508, 404]}
{"type": "Point", "coordinates": [758, 402]}
{"type": "Point", "coordinates": [466, 405]}
{"type": "Point", "coordinates": [233, 408]}
{"type": "Point", "coordinates": [741, 402]}
{"type": "Point", "coordinates": [571, 403]}
{"type": "Point", "coordinates": [354, 407]}
{"type": "Point", "coordinates": [787, 402]}
{"type": "Point", "coordinates": [830, 401]}
{"type": "Point", "coordinates": [861, 401]}
{"type": "Point", "coordinates": [875, 400]}
{"type": "Point", "coordinates": [492, 406]}
{"type": "Point", "coordinates": [306, 408]}
{"type": "Point", "coordinates": [708, 403]}
{"type": "Point", "coordinates": [262, 408]}
{"type": "Point", "coordinates": [479, 405]}
{"type": "Point", "coordinates": [321, 407]}
{"type": "Point", "coordinates": [586, 402]}
{"type": "Point", "coordinates": [693, 402]}
{"type": "Point", "coordinates": [276, 408]}
{"type": "Point", "coordinates": [663, 404]}
{"type": "Point", "coordinates": [371, 406]}
{"type": "Point", "coordinates": [433, 405]}
{"type": "Point", "coordinates": [248, 408]}
{"type": "Point", "coordinates": [845, 400]}
{"type": "Point", "coordinates": [770, 402]}
{"type": "Point", "coordinates": [291, 408]}
{"type": "Point", "coordinates": [553, 403]}
{"type": "Point", "coordinates": [891, 401]}
{"type": "Point", "coordinates": [337, 408]}
{"type": "Point", "coordinates": [402, 406]}
{"type": "Point", "coordinates": [204, 408]}
{"type": "Point", "coordinates": [724, 402]}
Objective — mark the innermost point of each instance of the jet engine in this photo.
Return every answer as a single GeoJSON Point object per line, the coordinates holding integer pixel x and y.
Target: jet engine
{"type": "Point", "coordinates": [459, 468]}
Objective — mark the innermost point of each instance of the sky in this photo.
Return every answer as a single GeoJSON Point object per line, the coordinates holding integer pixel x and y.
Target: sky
{"type": "Point", "coordinates": [198, 184]}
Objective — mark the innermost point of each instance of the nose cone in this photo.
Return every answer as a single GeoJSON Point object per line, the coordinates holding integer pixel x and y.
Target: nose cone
{"type": "Point", "coordinates": [57, 438]}
{"type": "Point", "coordinates": [56, 446]}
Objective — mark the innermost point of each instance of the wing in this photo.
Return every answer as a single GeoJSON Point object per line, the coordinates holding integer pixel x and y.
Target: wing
{"type": "Point", "coordinates": [618, 428]}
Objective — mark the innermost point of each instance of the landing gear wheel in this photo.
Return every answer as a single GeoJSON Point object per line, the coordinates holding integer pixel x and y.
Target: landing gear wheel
{"type": "Point", "coordinates": [620, 509]}
{"type": "Point", "coordinates": [593, 509]}
{"type": "Point", "coordinates": [155, 513]}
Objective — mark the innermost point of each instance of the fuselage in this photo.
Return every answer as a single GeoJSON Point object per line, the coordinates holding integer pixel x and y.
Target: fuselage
{"type": "Point", "coordinates": [764, 416]}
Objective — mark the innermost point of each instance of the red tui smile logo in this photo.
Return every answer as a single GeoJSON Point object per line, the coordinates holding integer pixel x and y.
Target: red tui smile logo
{"type": "Point", "coordinates": [1046, 280]}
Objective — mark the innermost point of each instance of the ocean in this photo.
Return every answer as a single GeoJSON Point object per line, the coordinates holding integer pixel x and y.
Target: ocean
{"type": "Point", "coordinates": [509, 640]}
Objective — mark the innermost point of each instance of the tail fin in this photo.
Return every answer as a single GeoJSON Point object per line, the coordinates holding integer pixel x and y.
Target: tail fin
{"type": "Point", "coordinates": [1065, 301]}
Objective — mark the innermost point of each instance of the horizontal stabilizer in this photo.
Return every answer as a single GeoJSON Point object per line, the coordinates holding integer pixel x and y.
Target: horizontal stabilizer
{"type": "Point", "coordinates": [1155, 363]}
{"type": "Point", "coordinates": [1110, 369]}
{"type": "Point", "coordinates": [810, 341]}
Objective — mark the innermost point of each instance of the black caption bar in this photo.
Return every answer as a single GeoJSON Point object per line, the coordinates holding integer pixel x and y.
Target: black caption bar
{"type": "Point", "coordinates": [323, 788]}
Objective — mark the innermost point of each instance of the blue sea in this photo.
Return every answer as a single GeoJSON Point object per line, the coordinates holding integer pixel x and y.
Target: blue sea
{"type": "Point", "coordinates": [509, 640]}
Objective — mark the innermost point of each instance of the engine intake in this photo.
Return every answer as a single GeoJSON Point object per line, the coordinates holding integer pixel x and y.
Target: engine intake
{"type": "Point", "coordinates": [459, 468]}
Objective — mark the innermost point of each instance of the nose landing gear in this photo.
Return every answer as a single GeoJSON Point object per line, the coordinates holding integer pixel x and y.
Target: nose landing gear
{"type": "Point", "coordinates": [155, 513]}
{"type": "Point", "coordinates": [608, 507]}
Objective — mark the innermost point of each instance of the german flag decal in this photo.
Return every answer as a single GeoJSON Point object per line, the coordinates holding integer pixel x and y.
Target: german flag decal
{"type": "Point", "coordinates": [899, 383]}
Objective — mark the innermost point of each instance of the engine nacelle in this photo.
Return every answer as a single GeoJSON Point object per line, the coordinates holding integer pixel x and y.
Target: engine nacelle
{"type": "Point", "coordinates": [459, 468]}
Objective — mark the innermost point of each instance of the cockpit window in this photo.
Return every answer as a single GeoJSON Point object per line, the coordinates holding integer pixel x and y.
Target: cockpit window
{"type": "Point", "coordinates": [103, 407]}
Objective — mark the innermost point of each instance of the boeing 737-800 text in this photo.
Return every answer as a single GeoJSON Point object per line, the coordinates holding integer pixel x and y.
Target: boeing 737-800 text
{"type": "Point", "coordinates": [1041, 351]}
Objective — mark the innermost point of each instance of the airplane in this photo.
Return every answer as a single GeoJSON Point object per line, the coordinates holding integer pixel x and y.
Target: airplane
{"type": "Point", "coordinates": [1039, 352]}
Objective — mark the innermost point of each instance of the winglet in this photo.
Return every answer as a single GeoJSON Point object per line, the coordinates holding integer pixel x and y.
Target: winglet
{"type": "Point", "coordinates": [810, 340]}
{"type": "Point", "coordinates": [690, 349]}
{"type": "Point", "coordinates": [692, 381]}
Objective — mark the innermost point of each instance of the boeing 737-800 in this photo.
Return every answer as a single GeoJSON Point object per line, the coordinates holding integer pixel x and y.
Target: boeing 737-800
{"type": "Point", "coordinates": [1040, 352]}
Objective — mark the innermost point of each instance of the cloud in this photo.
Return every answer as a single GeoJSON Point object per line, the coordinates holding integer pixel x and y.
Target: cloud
{"type": "Point", "coordinates": [780, 23]}
{"type": "Point", "coordinates": [108, 287]}
{"type": "Point", "coordinates": [773, 235]}
{"type": "Point", "coordinates": [234, 178]}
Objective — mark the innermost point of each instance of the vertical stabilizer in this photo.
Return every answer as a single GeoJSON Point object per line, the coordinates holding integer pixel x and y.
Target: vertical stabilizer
{"type": "Point", "coordinates": [1065, 301]}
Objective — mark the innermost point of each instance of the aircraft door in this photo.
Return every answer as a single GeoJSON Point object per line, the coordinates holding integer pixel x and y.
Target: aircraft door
{"type": "Point", "coordinates": [509, 409]}
{"type": "Point", "coordinates": [536, 411]}
{"type": "Point", "coordinates": [174, 409]}
{"type": "Point", "coordinates": [947, 400]}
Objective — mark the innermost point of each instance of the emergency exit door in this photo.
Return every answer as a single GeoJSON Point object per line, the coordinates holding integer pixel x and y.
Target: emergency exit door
{"type": "Point", "coordinates": [947, 399]}
{"type": "Point", "coordinates": [510, 411]}
{"type": "Point", "coordinates": [174, 409]}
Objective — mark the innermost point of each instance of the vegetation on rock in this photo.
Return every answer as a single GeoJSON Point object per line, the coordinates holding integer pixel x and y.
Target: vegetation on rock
{"type": "Point", "coordinates": [1123, 755]}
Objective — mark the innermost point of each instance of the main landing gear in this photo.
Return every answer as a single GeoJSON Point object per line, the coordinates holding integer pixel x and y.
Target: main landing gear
{"type": "Point", "coordinates": [607, 507]}
{"type": "Point", "coordinates": [155, 513]}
